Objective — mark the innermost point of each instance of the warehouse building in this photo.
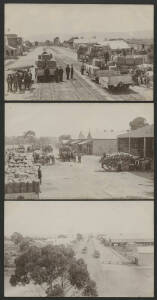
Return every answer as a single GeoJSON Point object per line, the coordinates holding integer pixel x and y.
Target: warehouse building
{"type": "Point", "coordinates": [96, 144]}
{"type": "Point", "coordinates": [145, 256]}
{"type": "Point", "coordinates": [139, 242]}
{"type": "Point", "coordinates": [139, 142]}
{"type": "Point", "coordinates": [117, 46]}
{"type": "Point", "coordinates": [13, 45]}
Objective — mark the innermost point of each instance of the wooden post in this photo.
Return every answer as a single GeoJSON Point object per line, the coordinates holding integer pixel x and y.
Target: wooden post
{"type": "Point", "coordinates": [129, 144]}
{"type": "Point", "coordinates": [144, 147]}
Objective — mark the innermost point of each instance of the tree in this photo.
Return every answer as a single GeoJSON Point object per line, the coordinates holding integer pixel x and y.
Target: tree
{"type": "Point", "coordinates": [64, 137]}
{"type": "Point", "coordinates": [29, 136]}
{"type": "Point", "coordinates": [78, 273]}
{"type": "Point", "coordinates": [47, 43]}
{"type": "Point", "coordinates": [6, 260]}
{"type": "Point", "coordinates": [29, 133]}
{"type": "Point", "coordinates": [25, 243]}
{"type": "Point", "coordinates": [56, 291]}
{"type": "Point", "coordinates": [138, 122]}
{"type": "Point", "coordinates": [90, 289]}
{"type": "Point", "coordinates": [16, 238]}
{"type": "Point", "coordinates": [79, 236]}
{"type": "Point", "coordinates": [52, 266]}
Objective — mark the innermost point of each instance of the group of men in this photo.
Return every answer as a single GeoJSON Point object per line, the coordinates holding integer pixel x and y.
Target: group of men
{"type": "Point", "coordinates": [141, 77]}
{"type": "Point", "coordinates": [19, 80]}
{"type": "Point", "coordinates": [69, 70]}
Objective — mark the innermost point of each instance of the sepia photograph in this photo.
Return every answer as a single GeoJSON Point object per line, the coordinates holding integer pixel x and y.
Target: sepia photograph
{"type": "Point", "coordinates": [75, 151]}
{"type": "Point", "coordinates": [79, 52]}
{"type": "Point", "coordinates": [79, 249]}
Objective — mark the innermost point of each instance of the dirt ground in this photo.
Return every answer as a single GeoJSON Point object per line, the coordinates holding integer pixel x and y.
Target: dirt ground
{"type": "Point", "coordinates": [80, 88]}
{"type": "Point", "coordinates": [115, 279]}
{"type": "Point", "coordinates": [69, 180]}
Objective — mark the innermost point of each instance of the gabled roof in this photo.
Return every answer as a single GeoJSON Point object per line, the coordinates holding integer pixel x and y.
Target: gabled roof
{"type": "Point", "coordinates": [86, 41]}
{"type": "Point", "coordinates": [105, 134]}
{"type": "Point", "coordinates": [116, 44]}
{"type": "Point", "coordinates": [146, 131]}
{"type": "Point", "coordinates": [89, 135]}
{"type": "Point", "coordinates": [81, 135]}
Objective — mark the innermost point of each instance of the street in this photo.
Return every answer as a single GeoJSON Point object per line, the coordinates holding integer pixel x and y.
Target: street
{"type": "Point", "coordinates": [79, 88]}
{"type": "Point", "coordinates": [113, 277]}
{"type": "Point", "coordinates": [69, 180]}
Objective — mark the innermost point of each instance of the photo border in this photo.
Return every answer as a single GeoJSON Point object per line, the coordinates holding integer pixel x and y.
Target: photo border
{"type": "Point", "coordinates": [2, 109]}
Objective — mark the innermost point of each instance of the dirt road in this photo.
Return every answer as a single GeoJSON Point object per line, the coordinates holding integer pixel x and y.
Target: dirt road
{"type": "Point", "coordinates": [80, 88]}
{"type": "Point", "coordinates": [115, 279]}
{"type": "Point", "coordinates": [69, 180]}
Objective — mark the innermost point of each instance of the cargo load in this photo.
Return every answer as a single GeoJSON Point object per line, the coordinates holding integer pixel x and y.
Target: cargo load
{"type": "Point", "coordinates": [129, 60]}
{"type": "Point", "coordinates": [115, 80]}
{"type": "Point", "coordinates": [122, 161]}
{"type": "Point", "coordinates": [46, 67]}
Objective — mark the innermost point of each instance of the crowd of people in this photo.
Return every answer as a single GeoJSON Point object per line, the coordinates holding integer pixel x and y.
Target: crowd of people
{"type": "Point", "coordinates": [141, 77]}
{"type": "Point", "coordinates": [20, 80]}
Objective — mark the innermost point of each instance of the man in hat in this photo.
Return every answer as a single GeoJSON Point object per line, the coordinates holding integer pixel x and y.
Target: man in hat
{"type": "Point", "coordinates": [60, 72]}
{"type": "Point", "coordinates": [71, 72]}
{"type": "Point", "coordinates": [67, 71]}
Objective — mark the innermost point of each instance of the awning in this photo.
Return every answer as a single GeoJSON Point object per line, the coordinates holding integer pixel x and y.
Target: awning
{"type": "Point", "coordinates": [84, 142]}
{"type": "Point", "coordinates": [75, 142]}
{"type": "Point", "coordinates": [21, 67]}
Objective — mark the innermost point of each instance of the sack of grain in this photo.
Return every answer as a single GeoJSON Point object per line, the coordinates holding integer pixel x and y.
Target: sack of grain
{"type": "Point", "coordinates": [29, 187]}
{"type": "Point", "coordinates": [121, 60]}
{"type": "Point", "coordinates": [130, 60]}
{"type": "Point", "coordinates": [16, 187]}
{"type": "Point", "coordinates": [23, 187]}
{"type": "Point", "coordinates": [139, 60]}
{"type": "Point", "coordinates": [10, 188]}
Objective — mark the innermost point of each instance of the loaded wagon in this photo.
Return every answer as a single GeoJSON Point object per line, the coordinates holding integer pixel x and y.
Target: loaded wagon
{"type": "Point", "coordinates": [115, 80]}
{"type": "Point", "coordinates": [109, 79]}
{"type": "Point", "coordinates": [46, 67]}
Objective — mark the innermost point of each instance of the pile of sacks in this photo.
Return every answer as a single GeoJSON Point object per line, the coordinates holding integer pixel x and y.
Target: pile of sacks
{"type": "Point", "coordinates": [112, 161]}
{"type": "Point", "coordinates": [129, 60]}
{"type": "Point", "coordinates": [21, 174]}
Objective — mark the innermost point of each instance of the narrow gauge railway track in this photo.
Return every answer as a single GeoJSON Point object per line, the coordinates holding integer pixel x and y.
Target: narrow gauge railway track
{"type": "Point", "coordinates": [83, 90]}
{"type": "Point", "coordinates": [101, 93]}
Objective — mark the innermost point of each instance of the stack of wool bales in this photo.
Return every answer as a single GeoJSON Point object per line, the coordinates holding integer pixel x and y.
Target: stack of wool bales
{"type": "Point", "coordinates": [21, 175]}
{"type": "Point", "coordinates": [129, 60]}
{"type": "Point", "coordinates": [112, 160]}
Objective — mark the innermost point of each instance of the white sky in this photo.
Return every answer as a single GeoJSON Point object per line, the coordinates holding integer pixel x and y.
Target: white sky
{"type": "Point", "coordinates": [71, 118]}
{"type": "Point", "coordinates": [30, 19]}
{"type": "Point", "coordinates": [48, 218]}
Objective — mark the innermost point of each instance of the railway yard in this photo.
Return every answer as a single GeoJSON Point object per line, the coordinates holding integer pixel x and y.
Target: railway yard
{"type": "Point", "coordinates": [80, 88]}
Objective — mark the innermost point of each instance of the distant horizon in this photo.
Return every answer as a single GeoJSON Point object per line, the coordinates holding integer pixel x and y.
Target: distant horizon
{"type": "Point", "coordinates": [109, 235]}
{"type": "Point", "coordinates": [138, 35]}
